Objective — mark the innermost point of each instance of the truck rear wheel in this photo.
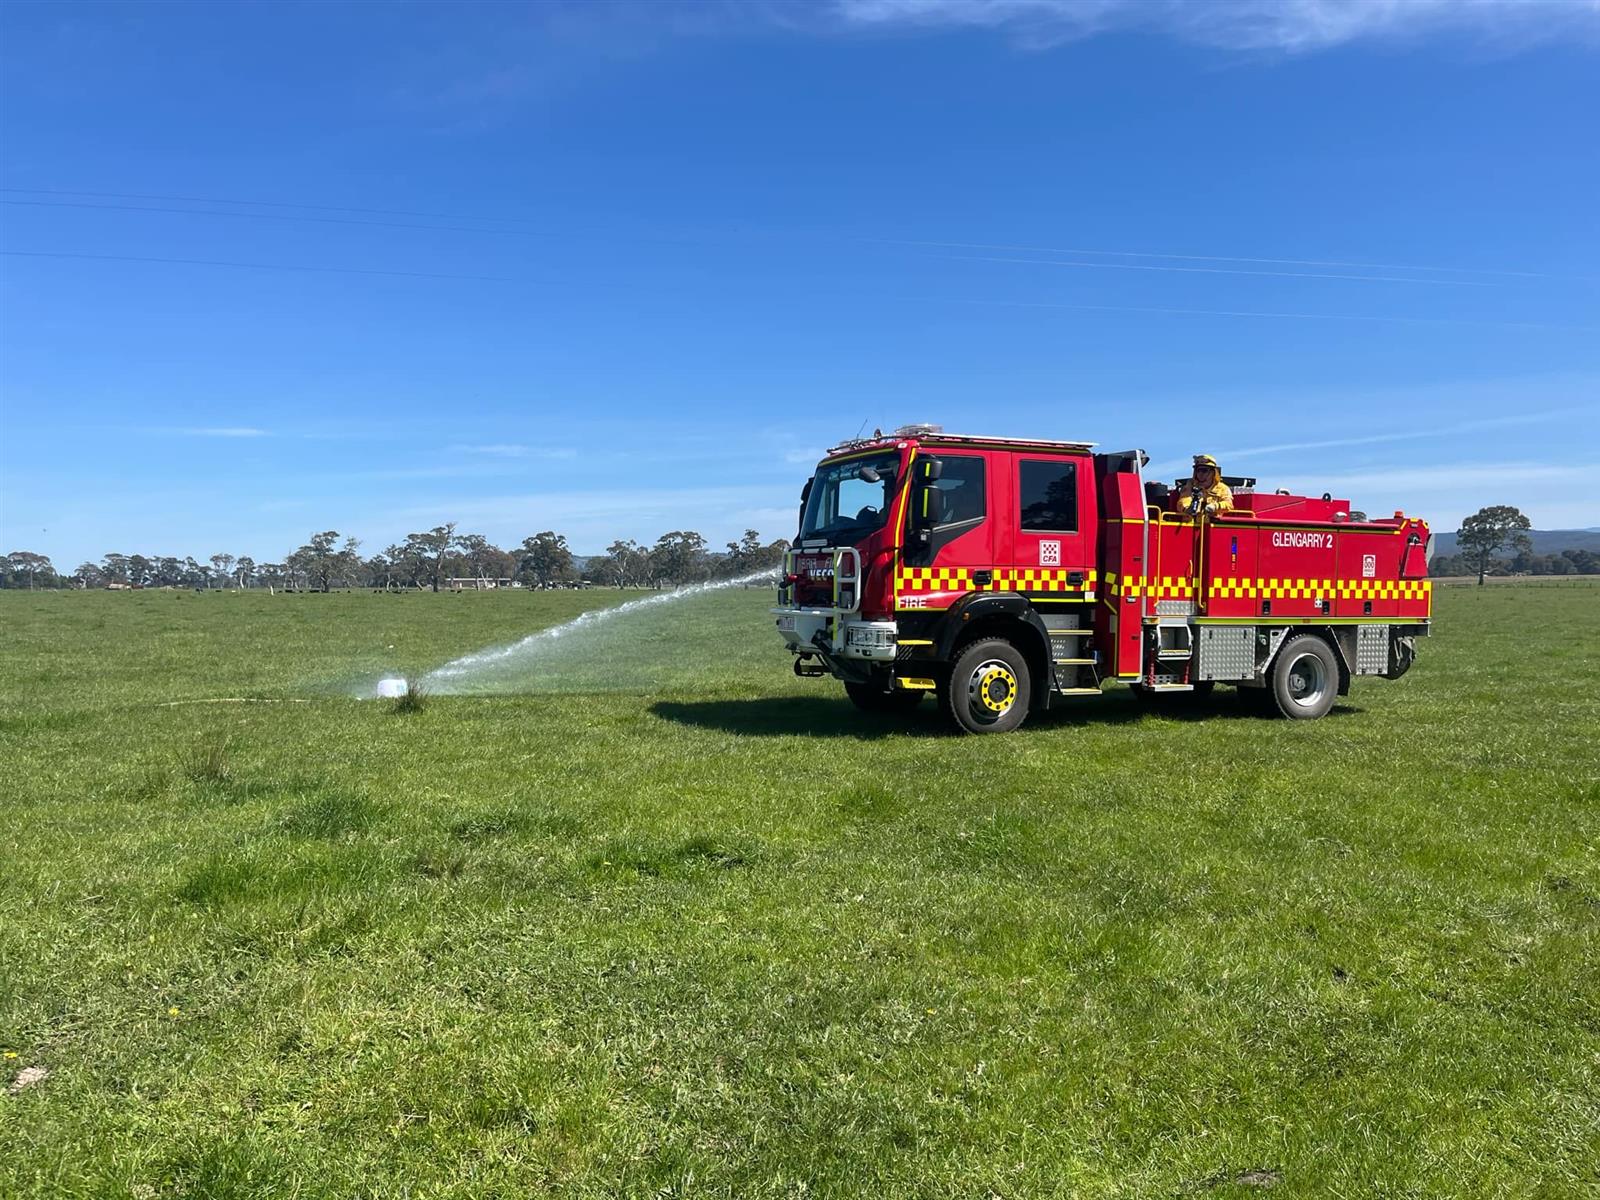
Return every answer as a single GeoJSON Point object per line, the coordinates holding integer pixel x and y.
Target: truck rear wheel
{"type": "Point", "coordinates": [989, 687]}
{"type": "Point", "coordinates": [1305, 678]}
{"type": "Point", "coordinates": [869, 698]}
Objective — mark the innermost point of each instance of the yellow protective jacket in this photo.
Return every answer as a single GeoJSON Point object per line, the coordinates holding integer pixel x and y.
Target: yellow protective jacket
{"type": "Point", "coordinates": [1218, 497]}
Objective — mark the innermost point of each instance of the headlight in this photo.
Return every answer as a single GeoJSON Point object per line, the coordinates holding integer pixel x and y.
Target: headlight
{"type": "Point", "coordinates": [871, 637]}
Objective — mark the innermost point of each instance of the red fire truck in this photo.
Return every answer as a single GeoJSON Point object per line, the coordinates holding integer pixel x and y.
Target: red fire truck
{"type": "Point", "coordinates": [1003, 574]}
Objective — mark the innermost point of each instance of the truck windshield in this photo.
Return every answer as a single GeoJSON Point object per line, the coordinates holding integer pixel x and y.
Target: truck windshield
{"type": "Point", "coordinates": [850, 499]}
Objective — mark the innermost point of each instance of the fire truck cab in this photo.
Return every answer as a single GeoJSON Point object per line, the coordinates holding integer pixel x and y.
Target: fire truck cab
{"type": "Point", "coordinates": [1005, 574]}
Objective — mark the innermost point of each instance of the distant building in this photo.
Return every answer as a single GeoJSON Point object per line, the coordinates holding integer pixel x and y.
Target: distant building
{"type": "Point", "coordinates": [474, 583]}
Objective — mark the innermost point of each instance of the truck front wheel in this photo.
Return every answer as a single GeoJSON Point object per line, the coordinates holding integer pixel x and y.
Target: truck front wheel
{"type": "Point", "coordinates": [989, 687]}
{"type": "Point", "coordinates": [1305, 678]}
{"type": "Point", "coordinates": [869, 698]}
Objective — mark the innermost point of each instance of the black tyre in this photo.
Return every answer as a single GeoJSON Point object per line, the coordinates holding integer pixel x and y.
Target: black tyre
{"type": "Point", "coordinates": [871, 698]}
{"type": "Point", "coordinates": [1305, 678]}
{"type": "Point", "coordinates": [989, 688]}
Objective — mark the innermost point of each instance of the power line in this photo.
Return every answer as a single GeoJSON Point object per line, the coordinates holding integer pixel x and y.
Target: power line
{"type": "Point", "coordinates": [1104, 308]}
{"type": "Point", "coordinates": [1041, 262]}
{"type": "Point", "coordinates": [253, 266]}
{"type": "Point", "coordinates": [203, 212]}
{"type": "Point", "coordinates": [1300, 316]}
{"type": "Point", "coordinates": [379, 212]}
{"type": "Point", "coordinates": [1281, 262]}
{"type": "Point", "coordinates": [949, 245]}
{"type": "Point", "coordinates": [1104, 266]}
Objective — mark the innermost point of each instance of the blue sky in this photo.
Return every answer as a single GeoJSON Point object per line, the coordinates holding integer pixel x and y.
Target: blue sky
{"type": "Point", "coordinates": [616, 269]}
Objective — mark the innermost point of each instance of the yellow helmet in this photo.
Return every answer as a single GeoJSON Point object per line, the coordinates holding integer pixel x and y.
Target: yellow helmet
{"type": "Point", "coordinates": [1205, 460]}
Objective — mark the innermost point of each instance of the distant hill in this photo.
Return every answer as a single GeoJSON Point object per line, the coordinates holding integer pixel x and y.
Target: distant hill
{"type": "Point", "coordinates": [1545, 541]}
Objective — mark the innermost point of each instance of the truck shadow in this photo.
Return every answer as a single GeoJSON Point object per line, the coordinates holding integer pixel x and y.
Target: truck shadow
{"type": "Point", "coordinates": [818, 716]}
{"type": "Point", "coordinates": [1120, 706]}
{"type": "Point", "coordinates": [784, 716]}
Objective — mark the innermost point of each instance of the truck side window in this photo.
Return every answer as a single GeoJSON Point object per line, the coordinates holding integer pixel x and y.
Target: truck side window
{"type": "Point", "coordinates": [1049, 492]}
{"type": "Point", "coordinates": [962, 484]}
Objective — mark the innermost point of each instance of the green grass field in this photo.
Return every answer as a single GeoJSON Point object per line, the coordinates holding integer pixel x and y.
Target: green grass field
{"type": "Point", "coordinates": [677, 923]}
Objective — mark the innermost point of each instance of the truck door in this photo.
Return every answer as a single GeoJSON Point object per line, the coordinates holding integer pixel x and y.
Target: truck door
{"type": "Point", "coordinates": [960, 554]}
{"type": "Point", "coordinates": [1052, 548]}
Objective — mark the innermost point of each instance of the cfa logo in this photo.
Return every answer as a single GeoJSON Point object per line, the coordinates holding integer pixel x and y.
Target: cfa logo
{"type": "Point", "coordinates": [1050, 554]}
{"type": "Point", "coordinates": [1369, 566]}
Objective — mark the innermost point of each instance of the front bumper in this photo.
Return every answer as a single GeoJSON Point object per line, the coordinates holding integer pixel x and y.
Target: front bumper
{"type": "Point", "coordinates": [832, 634]}
{"type": "Point", "coordinates": [848, 645]}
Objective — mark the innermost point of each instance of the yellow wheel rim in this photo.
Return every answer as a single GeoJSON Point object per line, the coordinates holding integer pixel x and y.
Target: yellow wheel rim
{"type": "Point", "coordinates": [994, 687]}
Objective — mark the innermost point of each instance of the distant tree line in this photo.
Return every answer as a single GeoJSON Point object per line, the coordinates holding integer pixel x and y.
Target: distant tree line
{"type": "Point", "coordinates": [424, 560]}
{"type": "Point", "coordinates": [1568, 562]}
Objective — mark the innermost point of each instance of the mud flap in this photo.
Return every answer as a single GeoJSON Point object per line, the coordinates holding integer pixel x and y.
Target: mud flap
{"type": "Point", "coordinates": [1402, 653]}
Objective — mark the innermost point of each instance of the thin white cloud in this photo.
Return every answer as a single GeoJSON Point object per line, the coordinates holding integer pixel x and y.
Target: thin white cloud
{"type": "Point", "coordinates": [1448, 477]}
{"type": "Point", "coordinates": [1552, 494]}
{"type": "Point", "coordinates": [1284, 26]}
{"type": "Point", "coordinates": [1374, 439]}
{"type": "Point", "coordinates": [220, 431]}
{"type": "Point", "coordinates": [437, 471]}
{"type": "Point", "coordinates": [516, 450]}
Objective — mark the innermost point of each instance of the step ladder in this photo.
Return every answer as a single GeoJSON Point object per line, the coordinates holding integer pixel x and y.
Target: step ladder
{"type": "Point", "coordinates": [1075, 661]}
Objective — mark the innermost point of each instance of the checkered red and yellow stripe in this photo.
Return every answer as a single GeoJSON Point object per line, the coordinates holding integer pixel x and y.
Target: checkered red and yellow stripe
{"type": "Point", "coordinates": [1158, 587]}
{"type": "Point", "coordinates": [1316, 589]}
{"type": "Point", "coordinates": [915, 580]}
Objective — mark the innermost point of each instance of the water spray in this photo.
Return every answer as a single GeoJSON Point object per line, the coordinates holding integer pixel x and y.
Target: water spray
{"type": "Point", "coordinates": [457, 675]}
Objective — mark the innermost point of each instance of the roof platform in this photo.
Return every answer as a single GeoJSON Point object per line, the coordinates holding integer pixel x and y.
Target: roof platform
{"type": "Point", "coordinates": [933, 435]}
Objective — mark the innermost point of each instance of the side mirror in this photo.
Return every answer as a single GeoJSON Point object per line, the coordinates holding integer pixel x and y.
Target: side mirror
{"type": "Point", "coordinates": [805, 494]}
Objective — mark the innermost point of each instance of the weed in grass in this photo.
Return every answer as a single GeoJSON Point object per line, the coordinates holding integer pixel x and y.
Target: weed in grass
{"type": "Point", "coordinates": [327, 815]}
{"type": "Point", "coordinates": [331, 933]}
{"type": "Point", "coordinates": [999, 842]}
{"type": "Point", "coordinates": [414, 699]}
{"type": "Point", "coordinates": [219, 880]}
{"type": "Point", "coordinates": [489, 826]}
{"type": "Point", "coordinates": [870, 803]}
{"type": "Point", "coordinates": [564, 824]}
{"type": "Point", "coordinates": [441, 864]}
{"type": "Point", "coordinates": [151, 784]}
{"type": "Point", "coordinates": [713, 853]}
{"type": "Point", "coordinates": [668, 861]}
{"type": "Point", "coordinates": [209, 760]}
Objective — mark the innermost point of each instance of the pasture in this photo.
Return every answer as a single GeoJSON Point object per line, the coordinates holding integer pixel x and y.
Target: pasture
{"type": "Point", "coordinates": [677, 923]}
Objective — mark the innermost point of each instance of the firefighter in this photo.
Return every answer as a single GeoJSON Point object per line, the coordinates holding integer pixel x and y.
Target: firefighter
{"type": "Point", "coordinates": [1215, 496]}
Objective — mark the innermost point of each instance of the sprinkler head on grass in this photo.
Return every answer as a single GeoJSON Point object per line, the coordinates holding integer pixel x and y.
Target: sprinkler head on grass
{"type": "Point", "coordinates": [392, 688]}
